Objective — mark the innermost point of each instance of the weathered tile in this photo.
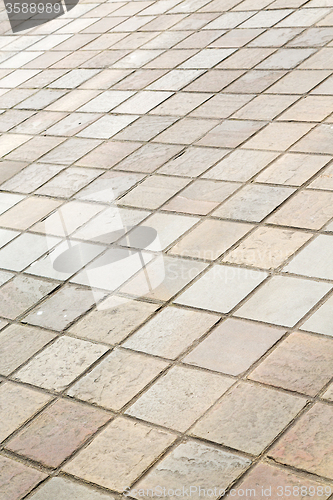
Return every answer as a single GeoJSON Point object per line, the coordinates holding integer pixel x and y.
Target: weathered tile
{"type": "Point", "coordinates": [117, 379]}
{"type": "Point", "coordinates": [19, 343]}
{"type": "Point", "coordinates": [115, 317]}
{"type": "Point", "coordinates": [170, 332]}
{"type": "Point", "coordinates": [313, 260]}
{"type": "Point", "coordinates": [233, 346]}
{"type": "Point", "coordinates": [62, 489]}
{"type": "Point", "coordinates": [27, 212]}
{"type": "Point", "coordinates": [230, 133]}
{"type": "Point", "coordinates": [63, 307]}
{"type": "Point", "coordinates": [187, 131]}
{"type": "Point", "coordinates": [58, 431]}
{"type": "Point", "coordinates": [307, 445]}
{"type": "Point", "coordinates": [31, 178]}
{"type": "Point", "coordinates": [283, 300]}
{"type": "Point", "coordinates": [189, 464]}
{"type": "Point", "coordinates": [300, 363]}
{"type": "Point", "coordinates": [236, 422]}
{"type": "Point", "coordinates": [17, 479]}
{"type": "Point", "coordinates": [321, 320]}
{"type": "Point", "coordinates": [119, 454]}
{"type": "Point", "coordinates": [278, 136]}
{"type": "Point", "coordinates": [21, 293]}
{"type": "Point", "coordinates": [109, 186]}
{"type": "Point", "coordinates": [221, 288]}
{"type": "Point", "coordinates": [179, 398]}
{"type": "Point", "coordinates": [60, 363]}
{"type": "Point", "coordinates": [209, 239]}
{"type": "Point", "coordinates": [267, 247]}
{"type": "Point", "coordinates": [192, 161]}
{"type": "Point", "coordinates": [17, 405]}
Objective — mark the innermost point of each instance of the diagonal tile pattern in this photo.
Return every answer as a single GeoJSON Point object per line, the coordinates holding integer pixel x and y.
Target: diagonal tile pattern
{"type": "Point", "coordinates": [166, 225]}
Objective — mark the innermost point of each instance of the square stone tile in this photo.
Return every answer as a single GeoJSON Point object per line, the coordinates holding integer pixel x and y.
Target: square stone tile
{"type": "Point", "coordinates": [254, 81]}
{"type": "Point", "coordinates": [175, 79]}
{"type": "Point", "coordinates": [107, 155]}
{"type": "Point", "coordinates": [307, 445]}
{"type": "Point", "coordinates": [209, 239]}
{"type": "Point", "coordinates": [179, 397]}
{"type": "Point", "coordinates": [16, 480]}
{"type": "Point", "coordinates": [68, 182]}
{"type": "Point", "coordinates": [106, 101]}
{"type": "Point", "coordinates": [222, 105]}
{"type": "Point", "coordinates": [313, 260]}
{"type": "Point", "coordinates": [264, 476]}
{"type": "Point", "coordinates": [249, 417]}
{"type": "Point", "coordinates": [324, 180]}
{"type": "Point", "coordinates": [286, 58]}
{"type": "Point", "coordinates": [109, 186]}
{"type": "Point", "coordinates": [253, 202]}
{"type": "Point", "coordinates": [68, 218]}
{"type": "Point", "coordinates": [145, 128]}
{"type": "Point", "coordinates": [71, 150]}
{"type": "Point", "coordinates": [329, 393]}
{"type": "Point", "coordinates": [32, 177]}
{"type": "Point", "coordinates": [9, 168]}
{"type": "Point", "coordinates": [58, 431]}
{"type": "Point", "coordinates": [181, 103]}
{"type": "Point", "coordinates": [236, 38]}
{"type": "Point", "coordinates": [116, 318]}
{"type": "Point", "coordinates": [275, 37]}
{"type": "Point", "coordinates": [63, 307]}
{"type": "Point", "coordinates": [319, 140]}
{"type": "Point", "coordinates": [265, 107]}
{"type": "Point", "coordinates": [246, 58]}
{"type": "Point", "coordinates": [283, 300]}
{"type": "Point", "coordinates": [117, 379]}
{"type": "Point", "coordinates": [301, 363]}
{"type": "Point", "coordinates": [201, 197]}
{"type": "Point", "coordinates": [267, 247]}
{"type": "Point", "coordinates": [9, 200]}
{"type": "Point", "coordinates": [119, 454]}
{"type": "Point", "coordinates": [19, 343]}
{"type": "Point", "coordinates": [72, 124]}
{"type": "Point", "coordinates": [157, 232]}
{"type": "Point", "coordinates": [27, 212]}
{"type": "Point", "coordinates": [240, 165]}
{"type": "Point", "coordinates": [278, 136]}
{"type": "Point", "coordinates": [107, 126]}
{"type": "Point", "coordinates": [311, 108]}
{"type": "Point", "coordinates": [221, 288]}
{"type": "Point", "coordinates": [21, 293]}
{"type": "Point", "coordinates": [186, 131]}
{"type": "Point", "coordinates": [60, 363]}
{"type": "Point", "coordinates": [299, 81]}
{"type": "Point", "coordinates": [24, 250]}
{"type": "Point", "coordinates": [321, 320]}
{"type": "Point", "coordinates": [233, 346]}
{"type": "Point", "coordinates": [17, 405]}
{"type": "Point", "coordinates": [189, 464]}
{"type": "Point", "coordinates": [35, 148]}
{"type": "Point", "coordinates": [230, 133]}
{"type": "Point", "coordinates": [142, 102]}
{"type": "Point", "coordinates": [307, 209]}
{"type": "Point", "coordinates": [293, 169]}
{"type": "Point", "coordinates": [214, 80]}
{"type": "Point", "coordinates": [153, 192]}
{"type": "Point", "coordinates": [170, 332]}
{"type": "Point", "coordinates": [192, 161]}
{"type": "Point", "coordinates": [63, 489]}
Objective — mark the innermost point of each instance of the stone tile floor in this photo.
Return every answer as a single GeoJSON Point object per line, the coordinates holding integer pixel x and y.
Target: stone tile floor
{"type": "Point", "coordinates": [166, 248]}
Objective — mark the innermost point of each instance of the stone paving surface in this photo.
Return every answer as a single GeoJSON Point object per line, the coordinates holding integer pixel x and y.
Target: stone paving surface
{"type": "Point", "coordinates": [166, 247]}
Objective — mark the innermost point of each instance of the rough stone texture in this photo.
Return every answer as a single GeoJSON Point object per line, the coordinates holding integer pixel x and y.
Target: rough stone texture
{"type": "Point", "coordinates": [16, 480]}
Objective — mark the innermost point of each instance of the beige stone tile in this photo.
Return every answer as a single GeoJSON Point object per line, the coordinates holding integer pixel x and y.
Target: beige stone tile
{"type": "Point", "coordinates": [230, 133]}
{"type": "Point", "coordinates": [321, 320]}
{"type": "Point", "coordinates": [253, 202]}
{"type": "Point", "coordinates": [153, 192]}
{"type": "Point", "coordinates": [301, 363]}
{"type": "Point", "coordinates": [298, 81]}
{"type": "Point", "coordinates": [19, 343]}
{"type": "Point", "coordinates": [213, 80]}
{"type": "Point", "coordinates": [201, 197]}
{"type": "Point", "coordinates": [311, 108]}
{"type": "Point", "coordinates": [21, 293]}
{"type": "Point", "coordinates": [240, 165]}
{"type": "Point", "coordinates": [293, 169]}
{"type": "Point", "coordinates": [109, 186]}
{"type": "Point", "coordinates": [170, 332]}
{"type": "Point", "coordinates": [119, 454]}
{"type": "Point", "coordinates": [267, 247]}
{"type": "Point", "coordinates": [107, 155]}
{"type": "Point", "coordinates": [236, 422]}
{"type": "Point", "coordinates": [287, 58]}
{"type": "Point", "coordinates": [181, 104]}
{"type": "Point", "coordinates": [162, 278]}
{"type": "Point", "coordinates": [283, 300]}
{"type": "Point", "coordinates": [254, 81]}
{"type": "Point", "coordinates": [60, 363]}
{"type": "Point", "coordinates": [31, 177]}
{"type": "Point", "coordinates": [319, 60]}
{"type": "Point", "coordinates": [265, 107]}
{"type": "Point", "coordinates": [17, 479]}
{"type": "Point", "coordinates": [17, 405]}
{"type": "Point", "coordinates": [246, 58]}
{"type": "Point", "coordinates": [275, 37]}
{"type": "Point", "coordinates": [329, 393]}
{"type": "Point", "coordinates": [233, 346]}
{"type": "Point", "coordinates": [265, 476]}
{"type": "Point", "coordinates": [193, 161]}
{"type": "Point", "coordinates": [307, 209]}
{"type": "Point", "coordinates": [221, 288]}
{"type": "Point", "coordinates": [222, 105]}
{"type": "Point", "coordinates": [210, 239]}
{"type": "Point", "coordinates": [63, 489]}
{"type": "Point", "coordinates": [117, 379]}
{"type": "Point", "coordinates": [57, 431]}
{"type": "Point", "coordinates": [319, 140]}
{"type": "Point", "coordinates": [186, 131]}
{"type": "Point", "coordinates": [68, 182]}
{"type": "Point", "coordinates": [179, 397]}
{"type": "Point", "coordinates": [307, 444]}
{"type": "Point", "coordinates": [116, 318]}
{"type": "Point", "coordinates": [145, 128]}
{"type": "Point", "coordinates": [188, 464]}
{"type": "Point", "coordinates": [278, 136]}
{"type": "Point", "coordinates": [236, 38]}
